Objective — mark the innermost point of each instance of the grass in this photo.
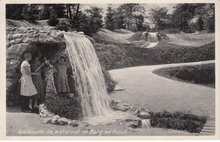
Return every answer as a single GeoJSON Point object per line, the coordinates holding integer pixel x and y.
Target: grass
{"type": "Point", "coordinates": [178, 121]}
{"type": "Point", "coordinates": [115, 56]}
{"type": "Point", "coordinates": [115, 52]}
{"type": "Point", "coordinates": [198, 74]}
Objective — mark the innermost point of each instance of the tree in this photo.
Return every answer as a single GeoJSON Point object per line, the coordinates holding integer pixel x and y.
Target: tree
{"type": "Point", "coordinates": [94, 18]}
{"type": "Point", "coordinates": [30, 12]}
{"type": "Point", "coordinates": [120, 19]}
{"type": "Point", "coordinates": [110, 18]}
{"type": "Point", "coordinates": [53, 18]}
{"type": "Point", "coordinates": [13, 11]}
{"type": "Point", "coordinates": [130, 12]}
{"type": "Point", "coordinates": [183, 13]}
{"type": "Point", "coordinates": [160, 18]}
{"type": "Point", "coordinates": [139, 19]}
{"type": "Point", "coordinates": [44, 12]}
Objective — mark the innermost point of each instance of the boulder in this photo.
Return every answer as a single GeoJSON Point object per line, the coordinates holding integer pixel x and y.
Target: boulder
{"type": "Point", "coordinates": [135, 123]}
{"type": "Point", "coordinates": [47, 120]}
{"type": "Point", "coordinates": [121, 107]}
{"type": "Point", "coordinates": [73, 123]}
{"type": "Point", "coordinates": [62, 121]}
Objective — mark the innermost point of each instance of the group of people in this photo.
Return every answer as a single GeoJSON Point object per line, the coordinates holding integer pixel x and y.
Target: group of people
{"type": "Point", "coordinates": [41, 79]}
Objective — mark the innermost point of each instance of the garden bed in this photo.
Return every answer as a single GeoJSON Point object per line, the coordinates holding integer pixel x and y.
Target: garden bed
{"type": "Point", "coordinates": [198, 74]}
{"type": "Point", "coordinates": [178, 121]}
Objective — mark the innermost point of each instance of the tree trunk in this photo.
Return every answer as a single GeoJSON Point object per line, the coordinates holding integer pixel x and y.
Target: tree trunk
{"type": "Point", "coordinates": [77, 12]}
{"type": "Point", "coordinates": [70, 12]}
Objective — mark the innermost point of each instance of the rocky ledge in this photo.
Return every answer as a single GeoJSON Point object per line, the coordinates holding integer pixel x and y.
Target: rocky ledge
{"type": "Point", "coordinates": [142, 119]}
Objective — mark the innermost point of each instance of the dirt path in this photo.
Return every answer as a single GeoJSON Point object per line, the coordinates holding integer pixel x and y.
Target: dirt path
{"type": "Point", "coordinates": [146, 89]}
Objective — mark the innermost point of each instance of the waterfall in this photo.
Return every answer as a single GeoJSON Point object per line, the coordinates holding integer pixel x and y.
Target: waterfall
{"type": "Point", "coordinates": [152, 37]}
{"type": "Point", "coordinates": [152, 40]}
{"type": "Point", "coordinates": [90, 83]}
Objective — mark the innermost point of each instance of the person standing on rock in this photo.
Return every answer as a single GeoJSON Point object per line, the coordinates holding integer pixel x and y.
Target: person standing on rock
{"type": "Point", "coordinates": [61, 76]}
{"type": "Point", "coordinates": [27, 87]}
{"type": "Point", "coordinates": [36, 66]}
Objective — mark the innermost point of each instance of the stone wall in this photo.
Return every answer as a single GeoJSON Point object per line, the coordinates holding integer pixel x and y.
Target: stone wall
{"type": "Point", "coordinates": [18, 41]}
{"type": "Point", "coordinates": [22, 39]}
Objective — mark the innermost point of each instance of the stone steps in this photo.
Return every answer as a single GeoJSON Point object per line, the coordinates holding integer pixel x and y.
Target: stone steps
{"type": "Point", "coordinates": [209, 127]}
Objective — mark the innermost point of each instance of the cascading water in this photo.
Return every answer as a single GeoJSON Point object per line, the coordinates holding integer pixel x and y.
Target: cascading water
{"type": "Point", "coordinates": [152, 39]}
{"type": "Point", "coordinates": [90, 83]}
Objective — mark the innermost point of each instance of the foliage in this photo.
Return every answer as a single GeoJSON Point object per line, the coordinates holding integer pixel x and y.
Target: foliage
{"type": "Point", "coordinates": [94, 19]}
{"type": "Point", "coordinates": [65, 106]}
{"type": "Point", "coordinates": [30, 12]}
{"type": "Point", "coordinates": [13, 11]}
{"type": "Point", "coordinates": [178, 120]}
{"type": "Point", "coordinates": [115, 56]}
{"type": "Point", "coordinates": [120, 19]}
{"type": "Point", "coordinates": [160, 18]}
{"type": "Point", "coordinates": [53, 18]}
{"type": "Point", "coordinates": [139, 19]}
{"type": "Point", "coordinates": [184, 13]}
{"type": "Point", "coordinates": [110, 18]}
{"type": "Point", "coordinates": [137, 36]}
{"type": "Point", "coordinates": [63, 27]}
{"type": "Point", "coordinates": [133, 15]}
{"type": "Point", "coordinates": [199, 74]}
{"type": "Point", "coordinates": [90, 22]}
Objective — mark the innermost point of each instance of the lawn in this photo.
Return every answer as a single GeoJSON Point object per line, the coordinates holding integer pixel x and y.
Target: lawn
{"type": "Point", "coordinates": [115, 56]}
{"type": "Point", "coordinates": [199, 74]}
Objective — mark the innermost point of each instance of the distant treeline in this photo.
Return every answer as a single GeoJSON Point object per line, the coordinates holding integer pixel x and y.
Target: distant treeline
{"type": "Point", "coordinates": [185, 17]}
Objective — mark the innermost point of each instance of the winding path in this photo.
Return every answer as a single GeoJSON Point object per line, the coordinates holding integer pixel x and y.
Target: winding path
{"type": "Point", "coordinates": [146, 89]}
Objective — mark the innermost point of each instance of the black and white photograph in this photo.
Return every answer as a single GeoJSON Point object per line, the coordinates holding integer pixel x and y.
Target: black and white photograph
{"type": "Point", "coordinates": [110, 69]}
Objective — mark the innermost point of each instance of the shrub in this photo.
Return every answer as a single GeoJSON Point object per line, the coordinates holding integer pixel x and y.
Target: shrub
{"type": "Point", "coordinates": [137, 36]}
{"type": "Point", "coordinates": [178, 120]}
{"type": "Point", "coordinates": [53, 19]}
{"type": "Point", "coordinates": [63, 27]}
{"type": "Point", "coordinates": [112, 56]}
{"type": "Point", "coordinates": [65, 106]}
{"type": "Point", "coordinates": [199, 74]}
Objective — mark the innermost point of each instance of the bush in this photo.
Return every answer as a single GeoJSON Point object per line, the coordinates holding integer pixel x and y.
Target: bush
{"type": "Point", "coordinates": [53, 19]}
{"type": "Point", "coordinates": [52, 22]}
{"type": "Point", "coordinates": [137, 36]}
{"type": "Point", "coordinates": [199, 74]}
{"type": "Point", "coordinates": [65, 106]}
{"type": "Point", "coordinates": [178, 120]}
{"type": "Point", "coordinates": [63, 27]}
{"type": "Point", "coordinates": [112, 56]}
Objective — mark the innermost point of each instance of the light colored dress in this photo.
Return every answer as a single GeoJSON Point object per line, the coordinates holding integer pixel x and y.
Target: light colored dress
{"type": "Point", "coordinates": [49, 79]}
{"type": "Point", "coordinates": [61, 79]}
{"type": "Point", "coordinates": [27, 86]}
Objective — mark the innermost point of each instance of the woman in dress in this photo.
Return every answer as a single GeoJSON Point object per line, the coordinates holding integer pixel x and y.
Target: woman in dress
{"type": "Point", "coordinates": [61, 76]}
{"type": "Point", "coordinates": [49, 79]}
{"type": "Point", "coordinates": [36, 66]}
{"type": "Point", "coordinates": [27, 87]}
